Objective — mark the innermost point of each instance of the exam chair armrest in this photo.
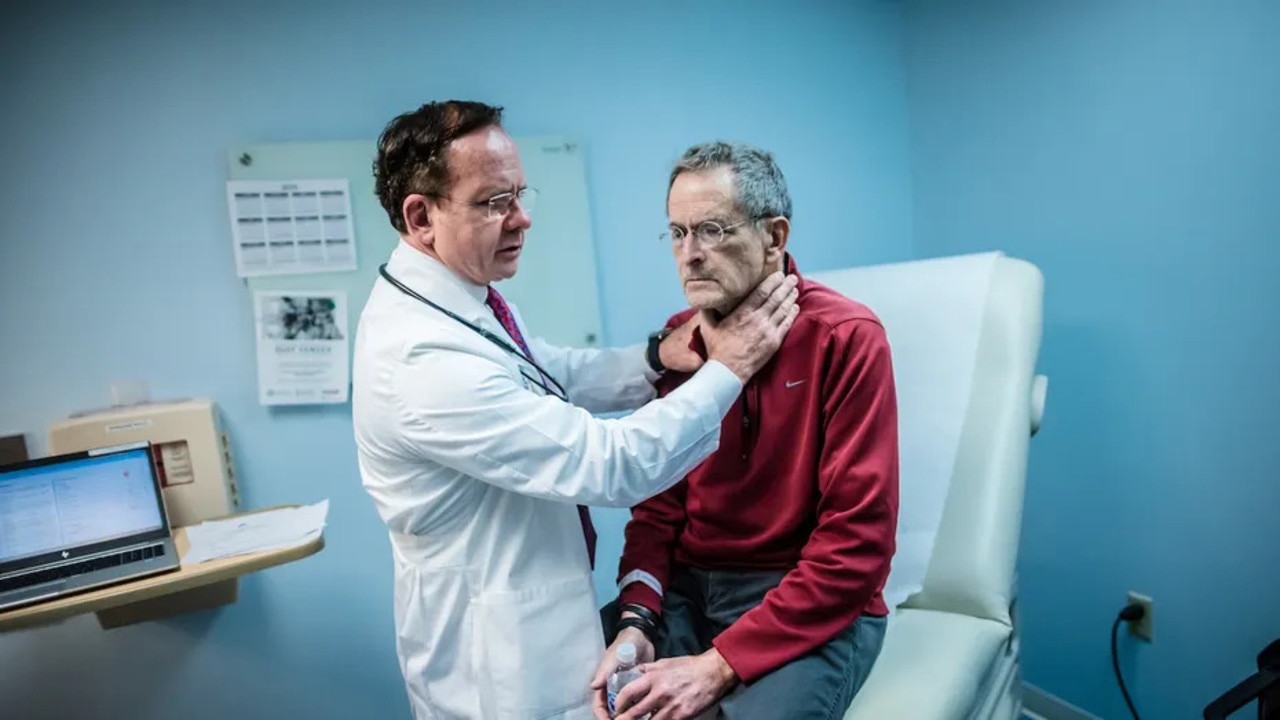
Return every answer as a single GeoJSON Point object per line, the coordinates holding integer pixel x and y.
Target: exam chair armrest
{"type": "Point", "coordinates": [1039, 392]}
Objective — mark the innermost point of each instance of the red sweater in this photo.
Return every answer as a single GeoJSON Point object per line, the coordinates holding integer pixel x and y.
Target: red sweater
{"type": "Point", "coordinates": [805, 480]}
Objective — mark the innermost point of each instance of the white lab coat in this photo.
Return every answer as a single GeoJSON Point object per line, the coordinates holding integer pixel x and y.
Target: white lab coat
{"type": "Point", "coordinates": [477, 473]}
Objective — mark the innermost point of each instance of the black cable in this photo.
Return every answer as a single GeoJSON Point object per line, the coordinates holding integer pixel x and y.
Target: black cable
{"type": "Point", "coordinates": [1131, 613]}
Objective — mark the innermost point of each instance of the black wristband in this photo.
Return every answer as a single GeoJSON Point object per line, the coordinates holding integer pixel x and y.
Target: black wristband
{"type": "Point", "coordinates": [649, 629]}
{"type": "Point", "coordinates": [645, 613]}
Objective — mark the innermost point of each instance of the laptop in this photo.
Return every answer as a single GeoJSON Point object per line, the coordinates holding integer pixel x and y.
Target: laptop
{"type": "Point", "coordinates": [78, 521]}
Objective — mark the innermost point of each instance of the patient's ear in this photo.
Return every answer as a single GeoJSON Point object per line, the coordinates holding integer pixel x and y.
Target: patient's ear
{"type": "Point", "coordinates": [778, 229]}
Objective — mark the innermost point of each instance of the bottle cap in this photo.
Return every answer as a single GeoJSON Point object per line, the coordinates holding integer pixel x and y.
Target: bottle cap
{"type": "Point", "coordinates": [627, 653]}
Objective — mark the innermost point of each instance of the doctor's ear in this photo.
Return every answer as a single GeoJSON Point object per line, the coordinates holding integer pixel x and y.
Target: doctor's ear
{"type": "Point", "coordinates": [416, 213]}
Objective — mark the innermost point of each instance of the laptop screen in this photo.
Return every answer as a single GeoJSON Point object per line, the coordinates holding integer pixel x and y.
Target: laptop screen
{"type": "Point", "coordinates": [76, 501]}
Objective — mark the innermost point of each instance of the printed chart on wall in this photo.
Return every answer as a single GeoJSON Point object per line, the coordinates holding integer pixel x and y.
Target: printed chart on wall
{"type": "Point", "coordinates": [290, 227]}
{"type": "Point", "coordinates": [302, 347]}
{"type": "Point", "coordinates": [555, 289]}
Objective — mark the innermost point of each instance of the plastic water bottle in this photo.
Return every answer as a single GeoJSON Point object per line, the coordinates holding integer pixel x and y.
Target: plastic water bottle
{"type": "Point", "coordinates": [625, 673]}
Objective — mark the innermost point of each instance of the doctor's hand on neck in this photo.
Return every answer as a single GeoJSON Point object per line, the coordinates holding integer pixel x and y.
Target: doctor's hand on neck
{"type": "Point", "coordinates": [746, 338]}
{"type": "Point", "coordinates": [675, 351]}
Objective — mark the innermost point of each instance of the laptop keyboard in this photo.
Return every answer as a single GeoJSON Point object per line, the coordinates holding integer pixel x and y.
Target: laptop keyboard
{"type": "Point", "coordinates": [72, 569]}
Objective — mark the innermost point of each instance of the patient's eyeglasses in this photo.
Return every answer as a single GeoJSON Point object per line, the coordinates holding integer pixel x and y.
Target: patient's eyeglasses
{"type": "Point", "coordinates": [708, 232]}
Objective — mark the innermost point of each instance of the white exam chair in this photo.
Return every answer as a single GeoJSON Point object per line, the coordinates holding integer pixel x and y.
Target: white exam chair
{"type": "Point", "coordinates": [951, 649]}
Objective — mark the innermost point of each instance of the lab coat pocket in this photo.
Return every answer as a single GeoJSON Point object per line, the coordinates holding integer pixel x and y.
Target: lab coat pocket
{"type": "Point", "coordinates": [537, 649]}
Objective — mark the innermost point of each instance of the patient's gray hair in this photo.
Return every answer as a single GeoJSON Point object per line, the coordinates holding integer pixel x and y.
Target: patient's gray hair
{"type": "Point", "coordinates": [760, 188]}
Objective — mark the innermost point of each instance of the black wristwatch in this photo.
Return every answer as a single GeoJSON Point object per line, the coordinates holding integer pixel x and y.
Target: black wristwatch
{"type": "Point", "coordinates": [651, 353]}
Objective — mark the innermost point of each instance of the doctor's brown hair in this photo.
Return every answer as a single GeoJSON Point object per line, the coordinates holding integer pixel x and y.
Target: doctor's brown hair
{"type": "Point", "coordinates": [413, 151]}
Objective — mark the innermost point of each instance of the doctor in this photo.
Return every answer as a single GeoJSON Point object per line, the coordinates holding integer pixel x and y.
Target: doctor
{"type": "Point", "coordinates": [477, 443]}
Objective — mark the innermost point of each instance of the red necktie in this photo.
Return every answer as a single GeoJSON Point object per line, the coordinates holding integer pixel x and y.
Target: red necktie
{"type": "Point", "coordinates": [508, 322]}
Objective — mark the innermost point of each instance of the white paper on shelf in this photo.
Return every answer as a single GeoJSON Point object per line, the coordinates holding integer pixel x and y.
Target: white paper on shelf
{"type": "Point", "coordinates": [255, 532]}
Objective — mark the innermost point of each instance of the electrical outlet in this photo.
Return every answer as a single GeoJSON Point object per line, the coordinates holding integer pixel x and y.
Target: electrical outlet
{"type": "Point", "coordinates": [1143, 628]}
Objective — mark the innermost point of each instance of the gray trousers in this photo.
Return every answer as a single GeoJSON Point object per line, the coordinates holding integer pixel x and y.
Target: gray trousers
{"type": "Point", "coordinates": [700, 604]}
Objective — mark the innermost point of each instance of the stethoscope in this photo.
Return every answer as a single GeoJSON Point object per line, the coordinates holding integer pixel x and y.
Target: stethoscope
{"type": "Point", "coordinates": [558, 392]}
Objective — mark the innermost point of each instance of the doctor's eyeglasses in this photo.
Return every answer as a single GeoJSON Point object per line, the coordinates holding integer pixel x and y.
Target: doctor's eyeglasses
{"type": "Point", "coordinates": [500, 205]}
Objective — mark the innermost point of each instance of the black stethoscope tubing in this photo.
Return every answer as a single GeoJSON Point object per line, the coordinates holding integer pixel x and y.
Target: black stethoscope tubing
{"type": "Point", "coordinates": [491, 337]}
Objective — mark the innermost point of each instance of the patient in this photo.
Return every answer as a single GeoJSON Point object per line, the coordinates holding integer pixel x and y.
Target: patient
{"type": "Point", "coordinates": [757, 579]}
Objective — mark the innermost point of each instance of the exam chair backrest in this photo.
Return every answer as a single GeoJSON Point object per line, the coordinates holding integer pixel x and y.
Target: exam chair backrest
{"type": "Point", "coordinates": [971, 567]}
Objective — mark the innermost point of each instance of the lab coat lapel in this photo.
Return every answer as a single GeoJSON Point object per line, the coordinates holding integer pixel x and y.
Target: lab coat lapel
{"type": "Point", "coordinates": [431, 279]}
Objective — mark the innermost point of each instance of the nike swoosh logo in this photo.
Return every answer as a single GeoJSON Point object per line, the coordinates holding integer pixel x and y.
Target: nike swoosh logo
{"type": "Point", "coordinates": [793, 383]}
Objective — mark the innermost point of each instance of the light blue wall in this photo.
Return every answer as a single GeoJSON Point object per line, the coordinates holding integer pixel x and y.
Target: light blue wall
{"type": "Point", "coordinates": [115, 259]}
{"type": "Point", "coordinates": [1131, 151]}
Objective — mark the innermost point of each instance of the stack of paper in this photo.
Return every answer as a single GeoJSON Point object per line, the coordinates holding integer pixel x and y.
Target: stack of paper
{"type": "Point", "coordinates": [255, 532]}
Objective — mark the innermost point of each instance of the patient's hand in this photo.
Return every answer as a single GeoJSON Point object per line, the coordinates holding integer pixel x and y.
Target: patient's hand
{"type": "Point", "coordinates": [644, 654]}
{"type": "Point", "coordinates": [679, 688]}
